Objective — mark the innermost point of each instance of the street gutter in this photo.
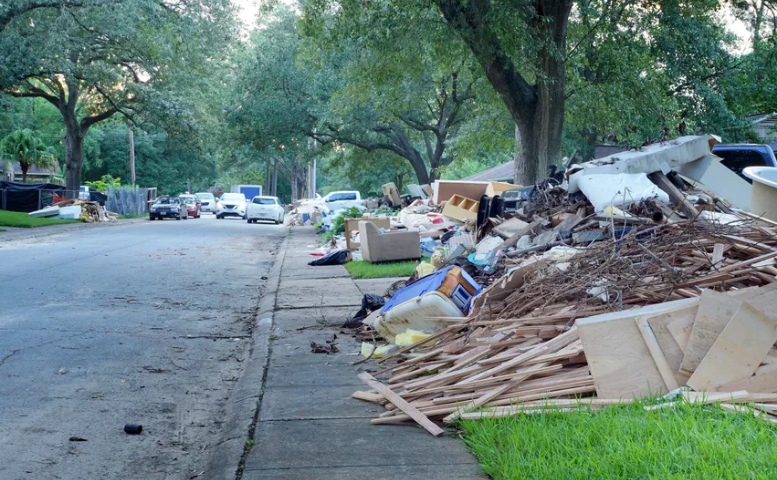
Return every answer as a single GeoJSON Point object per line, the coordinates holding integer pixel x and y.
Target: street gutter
{"type": "Point", "coordinates": [228, 455]}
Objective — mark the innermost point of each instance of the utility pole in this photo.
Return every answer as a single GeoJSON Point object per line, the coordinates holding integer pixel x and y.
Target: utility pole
{"type": "Point", "coordinates": [312, 187]}
{"type": "Point", "coordinates": [131, 154]}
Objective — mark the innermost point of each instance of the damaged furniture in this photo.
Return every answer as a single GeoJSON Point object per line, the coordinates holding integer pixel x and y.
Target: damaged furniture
{"type": "Point", "coordinates": [352, 224]}
{"type": "Point", "coordinates": [390, 246]}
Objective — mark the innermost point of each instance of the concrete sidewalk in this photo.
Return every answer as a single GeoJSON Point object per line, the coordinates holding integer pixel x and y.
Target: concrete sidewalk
{"type": "Point", "coordinates": [308, 426]}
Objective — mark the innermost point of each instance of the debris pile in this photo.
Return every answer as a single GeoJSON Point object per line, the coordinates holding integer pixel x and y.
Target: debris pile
{"type": "Point", "coordinates": [84, 210]}
{"type": "Point", "coordinates": [608, 294]}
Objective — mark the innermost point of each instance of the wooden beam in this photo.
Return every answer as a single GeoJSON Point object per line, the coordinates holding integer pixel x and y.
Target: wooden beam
{"type": "Point", "coordinates": [402, 404]}
{"type": "Point", "coordinates": [675, 195]}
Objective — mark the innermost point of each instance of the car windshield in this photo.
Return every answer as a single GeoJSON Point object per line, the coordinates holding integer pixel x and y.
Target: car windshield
{"type": "Point", "coordinates": [166, 201]}
{"type": "Point", "coordinates": [264, 201]}
{"type": "Point", "coordinates": [188, 199]}
{"type": "Point", "coordinates": [205, 196]}
{"type": "Point", "coordinates": [738, 160]}
{"type": "Point", "coordinates": [233, 197]}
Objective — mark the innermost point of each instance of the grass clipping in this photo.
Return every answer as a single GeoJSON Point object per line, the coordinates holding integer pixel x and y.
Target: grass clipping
{"type": "Point", "coordinates": [365, 269]}
{"type": "Point", "coordinates": [625, 442]}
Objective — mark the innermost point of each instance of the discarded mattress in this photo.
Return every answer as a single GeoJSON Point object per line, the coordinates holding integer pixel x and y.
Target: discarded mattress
{"type": "Point", "coordinates": [621, 189]}
{"type": "Point", "coordinates": [46, 212]}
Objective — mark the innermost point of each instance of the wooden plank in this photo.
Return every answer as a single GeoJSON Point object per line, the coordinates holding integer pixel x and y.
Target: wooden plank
{"type": "Point", "coordinates": [492, 394]}
{"type": "Point", "coordinates": [698, 398]}
{"type": "Point", "coordinates": [671, 350]}
{"type": "Point", "coordinates": [764, 379]}
{"type": "Point", "coordinates": [715, 310]}
{"type": "Point", "coordinates": [680, 329]}
{"type": "Point", "coordinates": [738, 351]}
{"type": "Point", "coordinates": [747, 410]}
{"type": "Point", "coordinates": [658, 356]}
{"type": "Point", "coordinates": [675, 195]}
{"type": "Point", "coordinates": [717, 254]}
{"type": "Point", "coordinates": [402, 404]}
{"type": "Point", "coordinates": [620, 362]}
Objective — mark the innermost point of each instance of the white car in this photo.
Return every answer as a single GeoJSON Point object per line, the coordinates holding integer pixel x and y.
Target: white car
{"type": "Point", "coordinates": [337, 201]}
{"type": "Point", "coordinates": [231, 205]}
{"type": "Point", "coordinates": [265, 208]}
{"type": "Point", "coordinates": [207, 202]}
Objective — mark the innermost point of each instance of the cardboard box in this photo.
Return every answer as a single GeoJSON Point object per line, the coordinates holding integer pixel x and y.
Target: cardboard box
{"type": "Point", "coordinates": [461, 208]}
{"type": "Point", "coordinates": [390, 190]}
{"type": "Point", "coordinates": [496, 188]}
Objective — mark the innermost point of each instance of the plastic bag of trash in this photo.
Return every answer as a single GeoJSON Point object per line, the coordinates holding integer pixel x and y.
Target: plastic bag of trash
{"type": "Point", "coordinates": [335, 257]}
{"type": "Point", "coordinates": [370, 302]}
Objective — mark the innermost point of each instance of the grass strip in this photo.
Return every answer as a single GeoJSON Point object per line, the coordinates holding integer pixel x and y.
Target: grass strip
{"type": "Point", "coordinates": [625, 442]}
{"type": "Point", "coordinates": [22, 220]}
{"type": "Point", "coordinates": [365, 269]}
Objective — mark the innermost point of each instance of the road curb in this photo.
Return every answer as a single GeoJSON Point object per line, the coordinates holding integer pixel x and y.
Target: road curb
{"type": "Point", "coordinates": [226, 454]}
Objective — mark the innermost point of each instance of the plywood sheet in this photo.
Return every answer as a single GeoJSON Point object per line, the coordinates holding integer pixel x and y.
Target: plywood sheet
{"type": "Point", "coordinates": [680, 328]}
{"type": "Point", "coordinates": [672, 351]}
{"type": "Point", "coordinates": [620, 362]}
{"type": "Point", "coordinates": [763, 380]}
{"type": "Point", "coordinates": [715, 310]}
{"type": "Point", "coordinates": [738, 351]}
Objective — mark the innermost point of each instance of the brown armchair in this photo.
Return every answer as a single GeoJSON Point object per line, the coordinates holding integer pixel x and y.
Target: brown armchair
{"type": "Point", "coordinates": [389, 246]}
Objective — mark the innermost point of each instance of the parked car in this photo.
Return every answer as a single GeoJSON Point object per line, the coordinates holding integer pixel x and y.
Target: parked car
{"type": "Point", "coordinates": [231, 205]}
{"type": "Point", "coordinates": [207, 202]}
{"type": "Point", "coordinates": [168, 207]}
{"type": "Point", "coordinates": [265, 208]}
{"type": "Point", "coordinates": [737, 157]}
{"type": "Point", "coordinates": [192, 204]}
{"type": "Point", "coordinates": [337, 201]}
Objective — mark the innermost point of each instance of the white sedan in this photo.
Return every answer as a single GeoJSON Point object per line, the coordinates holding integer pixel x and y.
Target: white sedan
{"type": "Point", "coordinates": [265, 208]}
{"type": "Point", "coordinates": [231, 205]}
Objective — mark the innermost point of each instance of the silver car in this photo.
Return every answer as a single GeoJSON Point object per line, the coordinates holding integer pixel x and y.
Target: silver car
{"type": "Point", "coordinates": [207, 202]}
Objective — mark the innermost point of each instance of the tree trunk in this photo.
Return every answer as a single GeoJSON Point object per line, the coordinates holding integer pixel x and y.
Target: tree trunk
{"type": "Point", "coordinates": [538, 109]}
{"type": "Point", "coordinates": [25, 166]}
{"type": "Point", "coordinates": [275, 179]}
{"type": "Point", "coordinates": [267, 176]}
{"type": "Point", "coordinates": [412, 155]}
{"type": "Point", "coordinates": [74, 160]}
{"type": "Point", "coordinates": [519, 161]}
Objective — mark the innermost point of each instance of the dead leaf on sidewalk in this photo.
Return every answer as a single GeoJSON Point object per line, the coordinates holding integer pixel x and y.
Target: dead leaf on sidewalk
{"type": "Point", "coordinates": [329, 347]}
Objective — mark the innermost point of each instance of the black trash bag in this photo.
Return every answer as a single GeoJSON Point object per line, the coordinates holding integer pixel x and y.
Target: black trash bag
{"type": "Point", "coordinates": [370, 302]}
{"type": "Point", "coordinates": [335, 257]}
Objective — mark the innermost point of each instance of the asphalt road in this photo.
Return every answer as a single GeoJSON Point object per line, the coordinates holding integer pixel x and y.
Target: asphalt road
{"type": "Point", "coordinates": [144, 323]}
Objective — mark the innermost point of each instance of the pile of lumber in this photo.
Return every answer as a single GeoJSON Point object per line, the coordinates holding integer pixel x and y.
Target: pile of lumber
{"type": "Point", "coordinates": [688, 303]}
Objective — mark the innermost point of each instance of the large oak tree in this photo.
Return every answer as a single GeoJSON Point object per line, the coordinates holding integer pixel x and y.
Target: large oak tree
{"type": "Point", "coordinates": [92, 60]}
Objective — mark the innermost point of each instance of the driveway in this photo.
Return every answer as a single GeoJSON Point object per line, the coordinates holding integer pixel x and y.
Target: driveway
{"type": "Point", "coordinates": [143, 323]}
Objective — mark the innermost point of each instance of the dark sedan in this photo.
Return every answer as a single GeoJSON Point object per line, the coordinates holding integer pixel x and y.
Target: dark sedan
{"type": "Point", "coordinates": [170, 207]}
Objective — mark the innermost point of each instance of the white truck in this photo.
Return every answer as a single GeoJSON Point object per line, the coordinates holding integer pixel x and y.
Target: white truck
{"type": "Point", "coordinates": [337, 201]}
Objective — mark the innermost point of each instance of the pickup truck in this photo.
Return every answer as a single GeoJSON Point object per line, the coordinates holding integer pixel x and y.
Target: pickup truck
{"type": "Point", "coordinates": [338, 200]}
{"type": "Point", "coordinates": [736, 157]}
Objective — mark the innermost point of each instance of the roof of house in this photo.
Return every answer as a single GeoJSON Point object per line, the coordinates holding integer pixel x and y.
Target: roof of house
{"type": "Point", "coordinates": [499, 173]}
{"type": "Point", "coordinates": [505, 171]}
{"type": "Point", "coordinates": [33, 170]}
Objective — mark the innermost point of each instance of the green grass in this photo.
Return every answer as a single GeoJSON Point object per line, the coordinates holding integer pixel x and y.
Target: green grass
{"type": "Point", "coordinates": [626, 442]}
{"type": "Point", "coordinates": [365, 269]}
{"type": "Point", "coordinates": [132, 215]}
{"type": "Point", "coordinates": [19, 219]}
